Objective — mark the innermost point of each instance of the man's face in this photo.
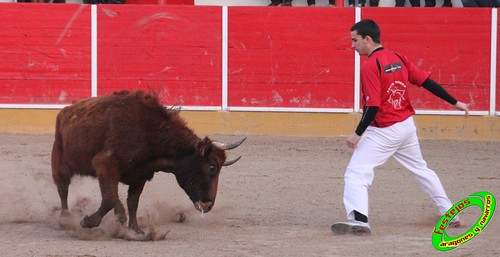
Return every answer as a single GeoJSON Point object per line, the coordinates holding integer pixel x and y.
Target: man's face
{"type": "Point", "coordinates": [359, 43]}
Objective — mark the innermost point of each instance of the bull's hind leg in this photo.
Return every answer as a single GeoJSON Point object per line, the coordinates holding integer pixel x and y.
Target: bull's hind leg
{"type": "Point", "coordinates": [62, 184]}
{"type": "Point", "coordinates": [61, 177]}
{"type": "Point", "coordinates": [107, 174]}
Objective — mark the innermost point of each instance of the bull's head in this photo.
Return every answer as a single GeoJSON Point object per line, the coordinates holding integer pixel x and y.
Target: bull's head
{"type": "Point", "coordinates": [199, 172]}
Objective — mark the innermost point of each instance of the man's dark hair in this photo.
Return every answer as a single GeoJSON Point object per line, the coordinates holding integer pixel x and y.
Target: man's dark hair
{"type": "Point", "coordinates": [367, 28]}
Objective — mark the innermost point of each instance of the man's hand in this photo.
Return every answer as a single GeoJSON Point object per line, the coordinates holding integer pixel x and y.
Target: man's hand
{"type": "Point", "coordinates": [463, 107]}
{"type": "Point", "coordinates": [353, 139]}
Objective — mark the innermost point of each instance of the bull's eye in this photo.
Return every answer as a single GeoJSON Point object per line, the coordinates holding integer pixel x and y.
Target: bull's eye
{"type": "Point", "coordinates": [212, 170]}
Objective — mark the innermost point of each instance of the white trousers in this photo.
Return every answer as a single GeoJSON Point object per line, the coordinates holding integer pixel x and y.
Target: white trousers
{"type": "Point", "coordinates": [374, 149]}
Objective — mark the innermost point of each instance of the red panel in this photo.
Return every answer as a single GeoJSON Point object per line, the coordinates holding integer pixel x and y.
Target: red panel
{"type": "Point", "coordinates": [278, 57]}
{"type": "Point", "coordinates": [497, 103]}
{"type": "Point", "coordinates": [290, 57]}
{"type": "Point", "coordinates": [44, 53]}
{"type": "Point", "coordinates": [453, 45]}
{"type": "Point", "coordinates": [172, 50]}
{"type": "Point", "coordinates": [178, 2]}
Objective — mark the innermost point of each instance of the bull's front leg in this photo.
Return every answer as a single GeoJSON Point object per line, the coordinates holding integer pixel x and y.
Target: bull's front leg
{"type": "Point", "coordinates": [134, 192]}
{"type": "Point", "coordinates": [107, 174]}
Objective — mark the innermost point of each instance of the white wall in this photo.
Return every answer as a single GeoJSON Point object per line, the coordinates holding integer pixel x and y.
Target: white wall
{"type": "Point", "coordinates": [383, 3]}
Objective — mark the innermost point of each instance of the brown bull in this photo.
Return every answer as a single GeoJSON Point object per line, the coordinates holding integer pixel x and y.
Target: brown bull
{"type": "Point", "coordinates": [127, 137]}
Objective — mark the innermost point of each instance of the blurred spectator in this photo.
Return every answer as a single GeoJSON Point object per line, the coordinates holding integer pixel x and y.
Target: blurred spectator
{"type": "Point", "coordinates": [362, 3]}
{"type": "Point", "coordinates": [481, 3]}
{"type": "Point", "coordinates": [414, 3]}
{"type": "Point", "coordinates": [313, 2]}
{"type": "Point", "coordinates": [447, 3]}
{"type": "Point", "coordinates": [280, 2]}
{"type": "Point", "coordinates": [432, 3]}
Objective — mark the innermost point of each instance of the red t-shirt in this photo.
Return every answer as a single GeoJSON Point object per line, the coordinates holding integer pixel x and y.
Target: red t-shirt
{"type": "Point", "coordinates": [384, 81]}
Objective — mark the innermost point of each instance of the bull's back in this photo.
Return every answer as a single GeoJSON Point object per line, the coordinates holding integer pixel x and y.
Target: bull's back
{"type": "Point", "coordinates": [116, 123]}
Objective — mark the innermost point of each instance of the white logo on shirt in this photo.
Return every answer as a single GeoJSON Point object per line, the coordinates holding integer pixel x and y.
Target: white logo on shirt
{"type": "Point", "coordinates": [396, 93]}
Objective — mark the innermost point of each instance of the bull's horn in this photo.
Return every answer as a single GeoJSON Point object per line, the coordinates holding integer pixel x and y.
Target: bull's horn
{"type": "Point", "coordinates": [224, 146]}
{"type": "Point", "coordinates": [227, 163]}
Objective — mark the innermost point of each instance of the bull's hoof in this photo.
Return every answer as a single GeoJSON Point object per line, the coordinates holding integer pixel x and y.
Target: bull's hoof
{"type": "Point", "coordinates": [88, 222]}
{"type": "Point", "coordinates": [137, 230]}
{"type": "Point", "coordinates": [84, 222]}
{"type": "Point", "coordinates": [65, 214]}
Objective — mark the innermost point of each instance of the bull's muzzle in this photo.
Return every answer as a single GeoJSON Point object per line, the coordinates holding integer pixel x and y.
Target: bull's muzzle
{"type": "Point", "coordinates": [203, 206]}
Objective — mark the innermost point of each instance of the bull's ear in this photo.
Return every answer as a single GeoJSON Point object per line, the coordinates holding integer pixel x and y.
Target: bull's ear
{"type": "Point", "coordinates": [203, 146]}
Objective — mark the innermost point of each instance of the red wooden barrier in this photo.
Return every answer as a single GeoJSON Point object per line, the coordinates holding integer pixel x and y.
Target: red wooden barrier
{"type": "Point", "coordinates": [44, 53]}
{"type": "Point", "coordinates": [172, 50]}
{"type": "Point", "coordinates": [282, 57]}
{"type": "Point", "coordinates": [498, 72]}
{"type": "Point", "coordinates": [277, 57]}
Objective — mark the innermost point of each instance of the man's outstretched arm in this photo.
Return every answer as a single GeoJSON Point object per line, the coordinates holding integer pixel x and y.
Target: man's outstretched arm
{"type": "Point", "coordinates": [437, 90]}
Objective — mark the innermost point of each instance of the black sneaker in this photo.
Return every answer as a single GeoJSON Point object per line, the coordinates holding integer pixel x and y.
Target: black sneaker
{"type": "Point", "coordinates": [351, 227]}
{"type": "Point", "coordinates": [287, 3]}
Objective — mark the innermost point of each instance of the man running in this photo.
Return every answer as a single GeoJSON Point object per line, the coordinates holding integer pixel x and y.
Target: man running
{"type": "Point", "coordinates": [386, 128]}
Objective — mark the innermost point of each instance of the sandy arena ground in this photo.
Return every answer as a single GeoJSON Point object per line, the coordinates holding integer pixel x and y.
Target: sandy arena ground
{"type": "Point", "coordinates": [278, 200]}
